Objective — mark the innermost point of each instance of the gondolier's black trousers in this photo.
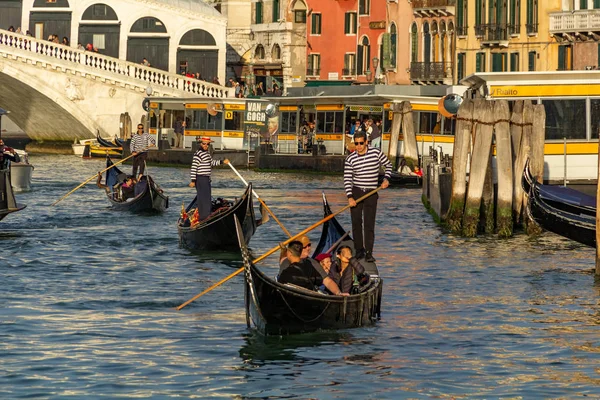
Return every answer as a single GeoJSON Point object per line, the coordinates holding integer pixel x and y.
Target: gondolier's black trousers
{"type": "Point", "coordinates": [203, 196]}
{"type": "Point", "coordinates": [139, 161]}
{"type": "Point", "coordinates": [367, 209]}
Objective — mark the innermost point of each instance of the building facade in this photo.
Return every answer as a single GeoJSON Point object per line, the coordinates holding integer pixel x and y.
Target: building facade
{"type": "Point", "coordinates": [173, 35]}
{"type": "Point", "coordinates": [576, 28]}
{"type": "Point", "coordinates": [505, 36]}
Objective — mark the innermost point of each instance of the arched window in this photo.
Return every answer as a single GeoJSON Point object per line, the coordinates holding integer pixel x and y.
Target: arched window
{"type": "Point", "coordinates": [414, 44]}
{"type": "Point", "coordinates": [363, 56]}
{"type": "Point", "coordinates": [436, 42]}
{"type": "Point", "coordinates": [148, 24]}
{"type": "Point", "coordinates": [443, 38]}
{"type": "Point", "coordinates": [197, 37]}
{"type": "Point", "coordinates": [299, 10]}
{"type": "Point", "coordinates": [259, 54]}
{"type": "Point", "coordinates": [276, 52]}
{"type": "Point", "coordinates": [393, 46]}
{"type": "Point", "coordinates": [426, 43]}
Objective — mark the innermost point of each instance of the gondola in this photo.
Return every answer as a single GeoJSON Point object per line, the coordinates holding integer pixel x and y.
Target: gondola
{"type": "Point", "coordinates": [273, 308]}
{"type": "Point", "coordinates": [8, 204]}
{"type": "Point", "coordinates": [403, 180]}
{"type": "Point", "coordinates": [561, 210]}
{"type": "Point", "coordinates": [106, 143]}
{"type": "Point", "coordinates": [148, 196]}
{"type": "Point", "coordinates": [218, 232]}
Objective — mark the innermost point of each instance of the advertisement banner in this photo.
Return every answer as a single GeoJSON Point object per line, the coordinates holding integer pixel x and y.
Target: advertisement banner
{"type": "Point", "coordinates": [261, 123]}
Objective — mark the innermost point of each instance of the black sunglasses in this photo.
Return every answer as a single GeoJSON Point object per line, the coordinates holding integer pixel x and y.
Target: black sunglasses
{"type": "Point", "coordinates": [308, 245]}
{"type": "Point", "coordinates": [359, 143]}
{"type": "Point", "coordinates": [204, 143]}
{"type": "Point", "coordinates": [140, 127]}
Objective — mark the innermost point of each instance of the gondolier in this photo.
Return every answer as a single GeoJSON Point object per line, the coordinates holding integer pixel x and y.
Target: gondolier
{"type": "Point", "coordinates": [361, 174]}
{"type": "Point", "coordinates": [202, 164]}
{"type": "Point", "coordinates": [140, 142]}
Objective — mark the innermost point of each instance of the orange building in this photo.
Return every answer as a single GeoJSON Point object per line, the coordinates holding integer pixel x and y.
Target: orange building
{"type": "Point", "coordinates": [347, 40]}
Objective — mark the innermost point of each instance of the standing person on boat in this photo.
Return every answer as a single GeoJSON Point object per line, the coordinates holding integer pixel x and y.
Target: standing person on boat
{"type": "Point", "coordinates": [140, 142]}
{"type": "Point", "coordinates": [200, 177]}
{"type": "Point", "coordinates": [7, 154]}
{"type": "Point", "coordinates": [361, 174]}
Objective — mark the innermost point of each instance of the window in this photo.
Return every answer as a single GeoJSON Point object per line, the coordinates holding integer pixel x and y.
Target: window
{"type": "Point", "coordinates": [364, 7]}
{"type": "Point", "coordinates": [515, 16]}
{"type": "Point", "coordinates": [330, 122]}
{"type": "Point", "coordinates": [288, 122]}
{"type": "Point", "coordinates": [300, 16]}
{"type": "Point", "coordinates": [460, 66]}
{"type": "Point", "coordinates": [565, 58]}
{"type": "Point", "coordinates": [531, 60]}
{"type": "Point", "coordinates": [596, 3]}
{"type": "Point", "coordinates": [99, 10]}
{"type": "Point", "coordinates": [275, 10]}
{"type": "Point", "coordinates": [514, 62]}
{"type": "Point", "coordinates": [39, 30]}
{"type": "Point", "coordinates": [258, 12]}
{"type": "Point", "coordinates": [99, 41]}
{"type": "Point", "coordinates": [461, 17]}
{"type": "Point", "coordinates": [414, 44]}
{"type": "Point", "coordinates": [565, 119]}
{"type": "Point", "coordinates": [315, 24]}
{"type": "Point", "coordinates": [235, 123]}
{"type": "Point", "coordinates": [350, 24]}
{"type": "Point", "coordinates": [498, 62]}
{"type": "Point", "coordinates": [349, 64]}
{"type": "Point", "coordinates": [594, 111]}
{"type": "Point", "coordinates": [314, 65]}
{"type": "Point", "coordinates": [479, 16]}
{"type": "Point", "coordinates": [276, 52]}
{"type": "Point", "coordinates": [363, 56]}
{"type": "Point", "coordinates": [480, 62]}
{"type": "Point", "coordinates": [583, 4]}
{"type": "Point", "coordinates": [393, 45]}
{"type": "Point", "coordinates": [259, 54]}
{"type": "Point", "coordinates": [532, 16]}
{"type": "Point", "coordinates": [201, 119]}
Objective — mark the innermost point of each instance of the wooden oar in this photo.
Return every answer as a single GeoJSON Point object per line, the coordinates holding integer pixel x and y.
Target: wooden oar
{"type": "Point", "coordinates": [274, 249]}
{"type": "Point", "coordinates": [95, 175]}
{"type": "Point", "coordinates": [260, 200]}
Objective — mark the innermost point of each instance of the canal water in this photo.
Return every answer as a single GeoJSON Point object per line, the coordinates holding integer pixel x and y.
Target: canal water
{"type": "Point", "coordinates": [87, 299]}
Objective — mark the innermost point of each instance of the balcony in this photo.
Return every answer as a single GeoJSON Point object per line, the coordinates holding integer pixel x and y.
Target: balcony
{"type": "Point", "coordinates": [314, 72]}
{"type": "Point", "coordinates": [494, 34]}
{"type": "Point", "coordinates": [575, 26]}
{"type": "Point", "coordinates": [348, 71]}
{"type": "Point", "coordinates": [433, 8]}
{"type": "Point", "coordinates": [462, 31]}
{"type": "Point", "coordinates": [431, 73]}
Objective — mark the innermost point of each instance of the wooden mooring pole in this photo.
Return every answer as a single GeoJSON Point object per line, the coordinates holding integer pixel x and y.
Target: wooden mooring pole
{"type": "Point", "coordinates": [504, 164]}
{"type": "Point", "coordinates": [410, 151]}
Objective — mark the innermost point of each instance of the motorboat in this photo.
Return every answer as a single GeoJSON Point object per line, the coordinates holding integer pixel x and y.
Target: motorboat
{"type": "Point", "coordinates": [21, 172]}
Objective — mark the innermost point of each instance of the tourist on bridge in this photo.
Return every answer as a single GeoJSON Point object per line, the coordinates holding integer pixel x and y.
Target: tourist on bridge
{"type": "Point", "coordinates": [140, 142]}
{"type": "Point", "coordinates": [202, 164]}
{"type": "Point", "coordinates": [361, 175]}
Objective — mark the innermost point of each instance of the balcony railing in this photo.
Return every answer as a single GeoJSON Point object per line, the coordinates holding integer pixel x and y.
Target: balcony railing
{"type": "Point", "coordinates": [348, 71]}
{"type": "Point", "coordinates": [531, 28]}
{"type": "Point", "coordinates": [433, 71]}
{"type": "Point", "coordinates": [462, 30]}
{"type": "Point", "coordinates": [313, 71]}
{"type": "Point", "coordinates": [492, 33]}
{"type": "Point", "coordinates": [574, 21]}
{"type": "Point", "coordinates": [432, 3]}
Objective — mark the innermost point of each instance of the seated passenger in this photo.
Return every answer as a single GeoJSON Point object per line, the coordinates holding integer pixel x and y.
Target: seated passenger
{"type": "Point", "coordinates": [127, 188]}
{"type": "Point", "coordinates": [345, 277]}
{"type": "Point", "coordinates": [297, 271]}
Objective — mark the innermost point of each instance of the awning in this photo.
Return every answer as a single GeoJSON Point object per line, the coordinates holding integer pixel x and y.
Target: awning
{"type": "Point", "coordinates": [316, 83]}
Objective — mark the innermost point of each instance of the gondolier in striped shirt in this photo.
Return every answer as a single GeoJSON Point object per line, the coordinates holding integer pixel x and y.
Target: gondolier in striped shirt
{"type": "Point", "coordinates": [202, 164]}
{"type": "Point", "coordinates": [361, 175]}
{"type": "Point", "coordinates": [140, 142]}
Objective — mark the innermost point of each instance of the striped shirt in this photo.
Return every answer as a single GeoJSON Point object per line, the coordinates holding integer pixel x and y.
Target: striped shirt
{"type": "Point", "coordinates": [141, 142]}
{"type": "Point", "coordinates": [363, 170]}
{"type": "Point", "coordinates": [201, 164]}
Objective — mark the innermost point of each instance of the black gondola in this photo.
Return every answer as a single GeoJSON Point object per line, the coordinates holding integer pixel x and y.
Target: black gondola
{"type": "Point", "coordinates": [147, 195]}
{"type": "Point", "coordinates": [218, 232]}
{"type": "Point", "coordinates": [8, 204]}
{"type": "Point", "coordinates": [106, 143]}
{"type": "Point", "coordinates": [273, 308]}
{"type": "Point", "coordinates": [403, 180]}
{"type": "Point", "coordinates": [561, 210]}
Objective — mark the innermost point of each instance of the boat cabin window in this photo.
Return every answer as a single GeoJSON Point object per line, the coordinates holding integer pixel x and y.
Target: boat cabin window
{"type": "Point", "coordinates": [595, 112]}
{"type": "Point", "coordinates": [330, 122]}
{"type": "Point", "coordinates": [426, 122]}
{"type": "Point", "coordinates": [288, 122]}
{"type": "Point", "coordinates": [387, 121]}
{"type": "Point", "coordinates": [565, 119]}
{"type": "Point", "coordinates": [234, 120]}
{"type": "Point", "coordinates": [201, 119]}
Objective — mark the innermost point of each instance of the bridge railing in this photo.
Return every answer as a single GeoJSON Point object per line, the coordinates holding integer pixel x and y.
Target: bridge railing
{"type": "Point", "coordinates": [158, 78]}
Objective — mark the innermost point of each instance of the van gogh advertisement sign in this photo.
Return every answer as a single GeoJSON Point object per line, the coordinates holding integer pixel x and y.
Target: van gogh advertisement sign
{"type": "Point", "coordinates": [261, 123]}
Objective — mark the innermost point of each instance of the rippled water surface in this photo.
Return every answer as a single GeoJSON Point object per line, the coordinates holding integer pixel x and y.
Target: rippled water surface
{"type": "Point", "coordinates": [87, 299]}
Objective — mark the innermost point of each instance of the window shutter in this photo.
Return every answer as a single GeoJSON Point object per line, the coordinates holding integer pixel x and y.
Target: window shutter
{"type": "Point", "coordinates": [359, 55]}
{"type": "Point", "coordinates": [387, 51]}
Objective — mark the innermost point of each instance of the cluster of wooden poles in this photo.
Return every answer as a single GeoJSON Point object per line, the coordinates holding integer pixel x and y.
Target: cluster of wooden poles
{"type": "Point", "coordinates": [488, 130]}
